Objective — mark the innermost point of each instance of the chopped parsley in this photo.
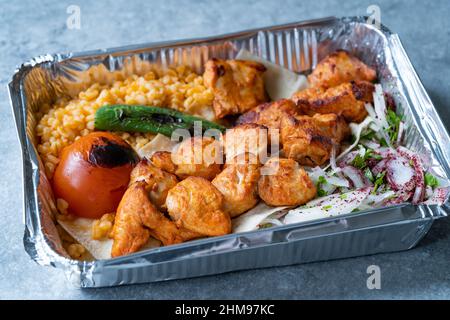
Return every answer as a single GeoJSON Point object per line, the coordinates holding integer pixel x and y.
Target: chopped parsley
{"type": "Point", "coordinates": [320, 191]}
{"type": "Point", "coordinates": [360, 162]}
{"type": "Point", "coordinates": [394, 123]}
{"type": "Point", "coordinates": [343, 196]}
{"type": "Point", "coordinates": [431, 180]}
{"type": "Point", "coordinates": [326, 208]}
{"type": "Point", "coordinates": [368, 136]}
{"type": "Point", "coordinates": [376, 156]}
{"type": "Point", "coordinates": [379, 181]}
{"type": "Point", "coordinates": [369, 174]}
{"type": "Point", "coordinates": [322, 179]}
{"type": "Point", "coordinates": [383, 142]}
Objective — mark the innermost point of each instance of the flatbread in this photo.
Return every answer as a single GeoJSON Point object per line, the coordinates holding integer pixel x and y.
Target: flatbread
{"type": "Point", "coordinates": [159, 143]}
{"type": "Point", "coordinates": [250, 220]}
{"type": "Point", "coordinates": [329, 206]}
{"type": "Point", "coordinates": [81, 230]}
{"type": "Point", "coordinates": [280, 83]}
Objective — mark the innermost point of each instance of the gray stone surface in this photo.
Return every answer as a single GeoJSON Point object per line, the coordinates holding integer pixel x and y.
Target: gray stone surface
{"type": "Point", "coordinates": [30, 28]}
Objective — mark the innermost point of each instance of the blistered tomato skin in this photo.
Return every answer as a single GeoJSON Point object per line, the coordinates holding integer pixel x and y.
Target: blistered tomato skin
{"type": "Point", "coordinates": [93, 174]}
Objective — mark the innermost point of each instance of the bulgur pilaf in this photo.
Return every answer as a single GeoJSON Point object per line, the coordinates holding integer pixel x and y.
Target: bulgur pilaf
{"type": "Point", "coordinates": [67, 120]}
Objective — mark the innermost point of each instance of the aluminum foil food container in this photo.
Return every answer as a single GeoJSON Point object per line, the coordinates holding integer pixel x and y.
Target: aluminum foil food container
{"type": "Point", "coordinates": [297, 46]}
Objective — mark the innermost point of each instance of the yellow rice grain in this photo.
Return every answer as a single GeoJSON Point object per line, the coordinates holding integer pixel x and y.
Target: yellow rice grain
{"type": "Point", "coordinates": [67, 120]}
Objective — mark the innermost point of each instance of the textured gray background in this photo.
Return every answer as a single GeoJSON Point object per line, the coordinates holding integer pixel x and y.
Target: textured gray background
{"type": "Point", "coordinates": [30, 28]}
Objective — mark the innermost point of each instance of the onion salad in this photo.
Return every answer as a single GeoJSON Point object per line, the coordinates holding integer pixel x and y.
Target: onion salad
{"type": "Point", "coordinates": [374, 171]}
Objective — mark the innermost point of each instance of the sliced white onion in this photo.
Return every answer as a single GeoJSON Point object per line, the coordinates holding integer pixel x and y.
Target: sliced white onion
{"type": "Point", "coordinates": [275, 222]}
{"type": "Point", "coordinates": [356, 131]}
{"type": "Point", "coordinates": [424, 158]}
{"type": "Point", "coordinates": [333, 159]}
{"type": "Point", "coordinates": [400, 197]}
{"type": "Point", "coordinates": [381, 123]}
{"type": "Point", "coordinates": [380, 105]}
{"type": "Point", "coordinates": [439, 196]}
{"type": "Point", "coordinates": [374, 127]}
{"type": "Point", "coordinates": [370, 144]}
{"type": "Point", "coordinates": [315, 173]}
{"type": "Point", "coordinates": [399, 174]}
{"type": "Point", "coordinates": [379, 167]}
{"type": "Point", "coordinates": [401, 128]}
{"type": "Point", "coordinates": [338, 181]}
{"type": "Point", "coordinates": [252, 219]}
{"type": "Point", "coordinates": [405, 152]}
{"type": "Point", "coordinates": [318, 201]}
{"type": "Point", "coordinates": [329, 207]}
{"type": "Point", "coordinates": [356, 177]}
{"type": "Point", "coordinates": [347, 159]}
{"type": "Point", "coordinates": [361, 151]}
{"type": "Point", "coordinates": [370, 110]}
{"type": "Point", "coordinates": [419, 191]}
{"type": "Point", "coordinates": [387, 152]}
{"type": "Point", "coordinates": [376, 200]}
{"type": "Point", "coordinates": [327, 187]}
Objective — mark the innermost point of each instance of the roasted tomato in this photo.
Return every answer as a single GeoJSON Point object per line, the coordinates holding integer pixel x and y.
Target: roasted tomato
{"type": "Point", "coordinates": [94, 173]}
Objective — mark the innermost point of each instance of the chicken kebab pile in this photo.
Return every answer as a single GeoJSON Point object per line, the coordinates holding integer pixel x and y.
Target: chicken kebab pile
{"type": "Point", "coordinates": [195, 189]}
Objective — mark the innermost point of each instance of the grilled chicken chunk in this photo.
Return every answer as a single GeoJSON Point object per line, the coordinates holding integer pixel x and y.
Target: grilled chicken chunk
{"type": "Point", "coordinates": [309, 140]}
{"type": "Point", "coordinates": [237, 85]}
{"type": "Point", "coordinates": [346, 99]}
{"type": "Point", "coordinates": [163, 160]}
{"type": "Point", "coordinates": [284, 183]}
{"type": "Point", "coordinates": [238, 184]}
{"type": "Point", "coordinates": [306, 139]}
{"type": "Point", "coordinates": [269, 114]}
{"type": "Point", "coordinates": [197, 156]}
{"type": "Point", "coordinates": [246, 138]}
{"type": "Point", "coordinates": [195, 204]}
{"type": "Point", "coordinates": [137, 219]}
{"type": "Point", "coordinates": [158, 182]}
{"type": "Point", "coordinates": [340, 67]}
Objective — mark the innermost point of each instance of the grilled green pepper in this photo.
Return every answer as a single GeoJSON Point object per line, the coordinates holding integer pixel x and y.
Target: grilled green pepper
{"type": "Point", "coordinates": [132, 118]}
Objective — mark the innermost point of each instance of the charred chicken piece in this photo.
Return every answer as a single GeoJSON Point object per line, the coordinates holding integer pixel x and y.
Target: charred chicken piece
{"type": "Point", "coordinates": [340, 67]}
{"type": "Point", "coordinates": [196, 156]}
{"type": "Point", "coordinates": [269, 114]}
{"type": "Point", "coordinates": [163, 160]}
{"type": "Point", "coordinates": [284, 183]}
{"type": "Point", "coordinates": [238, 184]}
{"type": "Point", "coordinates": [237, 85]}
{"type": "Point", "coordinates": [158, 182]}
{"type": "Point", "coordinates": [309, 140]}
{"type": "Point", "coordinates": [246, 138]}
{"type": "Point", "coordinates": [137, 219]}
{"type": "Point", "coordinates": [346, 99]}
{"type": "Point", "coordinates": [195, 204]}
